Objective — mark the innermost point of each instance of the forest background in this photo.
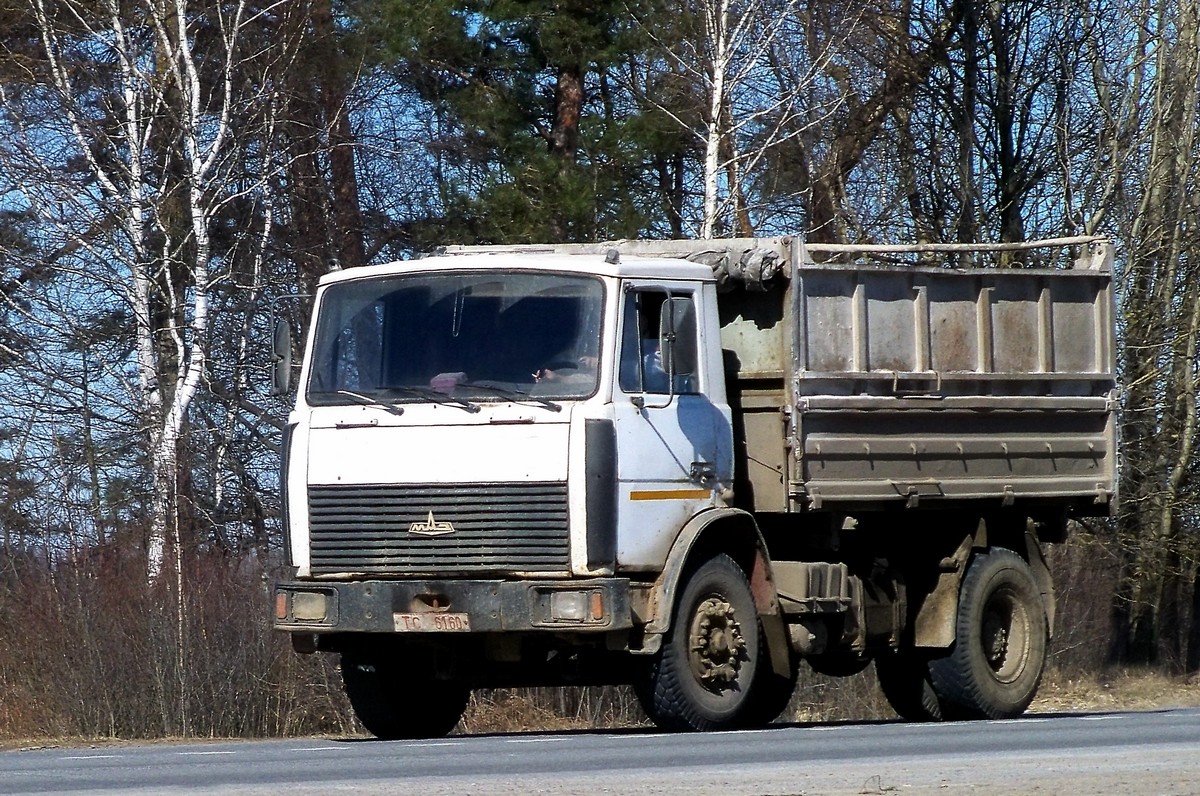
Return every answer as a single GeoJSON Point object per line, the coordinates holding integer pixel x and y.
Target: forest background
{"type": "Point", "coordinates": [172, 170]}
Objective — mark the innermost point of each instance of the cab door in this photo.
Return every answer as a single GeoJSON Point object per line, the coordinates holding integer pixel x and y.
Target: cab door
{"type": "Point", "coordinates": [674, 443]}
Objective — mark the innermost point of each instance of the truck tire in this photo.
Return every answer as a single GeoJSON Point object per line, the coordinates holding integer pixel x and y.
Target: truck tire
{"type": "Point", "coordinates": [392, 705]}
{"type": "Point", "coordinates": [772, 693]}
{"type": "Point", "coordinates": [994, 668]}
{"type": "Point", "coordinates": [706, 676]}
{"type": "Point", "coordinates": [905, 681]}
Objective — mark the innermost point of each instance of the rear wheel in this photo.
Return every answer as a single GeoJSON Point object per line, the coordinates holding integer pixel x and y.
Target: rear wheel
{"type": "Point", "coordinates": [994, 668]}
{"type": "Point", "coordinates": [393, 705]}
{"type": "Point", "coordinates": [707, 674]}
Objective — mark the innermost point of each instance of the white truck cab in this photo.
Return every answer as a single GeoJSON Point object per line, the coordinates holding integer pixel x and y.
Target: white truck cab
{"type": "Point", "coordinates": [484, 381]}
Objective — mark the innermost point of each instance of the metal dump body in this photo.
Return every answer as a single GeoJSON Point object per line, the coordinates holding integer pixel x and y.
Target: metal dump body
{"type": "Point", "coordinates": [916, 383]}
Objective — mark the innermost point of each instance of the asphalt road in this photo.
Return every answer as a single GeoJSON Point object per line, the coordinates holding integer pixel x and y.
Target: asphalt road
{"type": "Point", "coordinates": [1154, 752]}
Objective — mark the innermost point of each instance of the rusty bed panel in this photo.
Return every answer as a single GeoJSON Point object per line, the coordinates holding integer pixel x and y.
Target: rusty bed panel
{"type": "Point", "coordinates": [916, 383]}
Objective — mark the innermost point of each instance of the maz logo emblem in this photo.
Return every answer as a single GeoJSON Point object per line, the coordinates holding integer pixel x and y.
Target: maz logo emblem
{"type": "Point", "coordinates": [431, 527]}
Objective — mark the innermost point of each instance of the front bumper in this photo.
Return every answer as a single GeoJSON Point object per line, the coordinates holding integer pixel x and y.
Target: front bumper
{"type": "Point", "coordinates": [450, 606]}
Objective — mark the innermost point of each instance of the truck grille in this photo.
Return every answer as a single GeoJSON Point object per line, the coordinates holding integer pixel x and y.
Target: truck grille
{"type": "Point", "coordinates": [406, 530]}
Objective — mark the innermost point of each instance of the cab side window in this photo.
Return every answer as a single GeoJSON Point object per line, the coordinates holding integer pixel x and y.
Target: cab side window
{"type": "Point", "coordinates": [648, 362]}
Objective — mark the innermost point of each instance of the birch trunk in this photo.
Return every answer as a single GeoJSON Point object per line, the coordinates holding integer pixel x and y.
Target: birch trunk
{"type": "Point", "coordinates": [717, 27]}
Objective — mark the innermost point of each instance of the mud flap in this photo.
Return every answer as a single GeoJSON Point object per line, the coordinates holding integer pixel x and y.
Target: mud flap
{"type": "Point", "coordinates": [934, 627]}
{"type": "Point", "coordinates": [1041, 576]}
{"type": "Point", "coordinates": [766, 599]}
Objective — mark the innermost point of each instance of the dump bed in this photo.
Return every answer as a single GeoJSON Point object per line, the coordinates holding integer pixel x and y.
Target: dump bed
{"type": "Point", "coordinates": [927, 381]}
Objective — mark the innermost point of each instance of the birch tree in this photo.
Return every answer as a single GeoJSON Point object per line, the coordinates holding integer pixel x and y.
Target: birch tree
{"type": "Point", "coordinates": [751, 78]}
{"type": "Point", "coordinates": [157, 154]}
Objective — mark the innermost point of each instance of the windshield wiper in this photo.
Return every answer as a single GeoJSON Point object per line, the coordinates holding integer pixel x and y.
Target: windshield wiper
{"type": "Point", "coordinates": [366, 400]}
{"type": "Point", "coordinates": [514, 395]}
{"type": "Point", "coordinates": [437, 396]}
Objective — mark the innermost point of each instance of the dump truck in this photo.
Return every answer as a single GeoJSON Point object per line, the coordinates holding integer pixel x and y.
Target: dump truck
{"type": "Point", "coordinates": [692, 467]}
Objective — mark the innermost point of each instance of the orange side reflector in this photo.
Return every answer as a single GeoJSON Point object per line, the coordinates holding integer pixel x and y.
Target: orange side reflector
{"type": "Point", "coordinates": [281, 605]}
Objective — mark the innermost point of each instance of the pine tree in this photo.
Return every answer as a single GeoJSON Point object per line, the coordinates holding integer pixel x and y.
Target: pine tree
{"type": "Point", "coordinates": [528, 130]}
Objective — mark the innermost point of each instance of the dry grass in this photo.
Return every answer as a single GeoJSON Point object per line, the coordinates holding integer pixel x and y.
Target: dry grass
{"type": "Point", "coordinates": [552, 709]}
{"type": "Point", "coordinates": [1124, 690]}
{"type": "Point", "coordinates": [507, 711]}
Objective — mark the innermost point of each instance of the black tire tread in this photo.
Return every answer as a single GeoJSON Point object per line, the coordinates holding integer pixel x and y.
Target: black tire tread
{"type": "Point", "coordinates": [954, 677]}
{"type": "Point", "coordinates": [772, 692]}
{"type": "Point", "coordinates": [428, 709]}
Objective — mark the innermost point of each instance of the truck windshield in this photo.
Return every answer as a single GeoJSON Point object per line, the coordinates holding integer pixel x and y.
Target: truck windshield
{"type": "Point", "coordinates": [471, 336]}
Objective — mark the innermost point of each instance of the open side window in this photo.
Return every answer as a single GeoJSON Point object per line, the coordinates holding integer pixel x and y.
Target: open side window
{"type": "Point", "coordinates": [659, 343]}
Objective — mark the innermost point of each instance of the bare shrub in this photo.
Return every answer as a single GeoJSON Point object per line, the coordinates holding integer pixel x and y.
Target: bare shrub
{"type": "Point", "coordinates": [92, 651]}
{"type": "Point", "coordinates": [820, 698]}
{"type": "Point", "coordinates": [1086, 571]}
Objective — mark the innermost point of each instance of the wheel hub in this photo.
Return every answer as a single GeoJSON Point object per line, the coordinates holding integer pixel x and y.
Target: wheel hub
{"type": "Point", "coordinates": [1004, 636]}
{"type": "Point", "coordinates": [995, 642]}
{"type": "Point", "coordinates": [716, 644]}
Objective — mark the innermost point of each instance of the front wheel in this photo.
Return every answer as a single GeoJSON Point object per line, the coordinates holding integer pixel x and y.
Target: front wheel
{"type": "Point", "coordinates": [394, 705]}
{"type": "Point", "coordinates": [994, 668]}
{"type": "Point", "coordinates": [707, 673]}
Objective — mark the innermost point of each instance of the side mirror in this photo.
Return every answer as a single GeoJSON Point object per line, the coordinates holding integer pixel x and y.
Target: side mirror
{"type": "Point", "coordinates": [677, 335]}
{"type": "Point", "coordinates": [281, 358]}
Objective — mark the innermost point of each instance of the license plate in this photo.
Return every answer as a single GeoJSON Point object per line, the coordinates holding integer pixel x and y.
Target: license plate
{"type": "Point", "coordinates": [432, 623]}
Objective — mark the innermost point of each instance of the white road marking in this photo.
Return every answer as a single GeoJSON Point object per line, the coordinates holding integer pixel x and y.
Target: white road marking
{"type": "Point", "coordinates": [89, 757]}
{"type": "Point", "coordinates": [203, 754]}
{"type": "Point", "coordinates": [435, 744]}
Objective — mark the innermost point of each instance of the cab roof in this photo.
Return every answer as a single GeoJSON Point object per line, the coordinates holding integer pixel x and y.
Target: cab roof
{"type": "Point", "coordinates": [598, 264]}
